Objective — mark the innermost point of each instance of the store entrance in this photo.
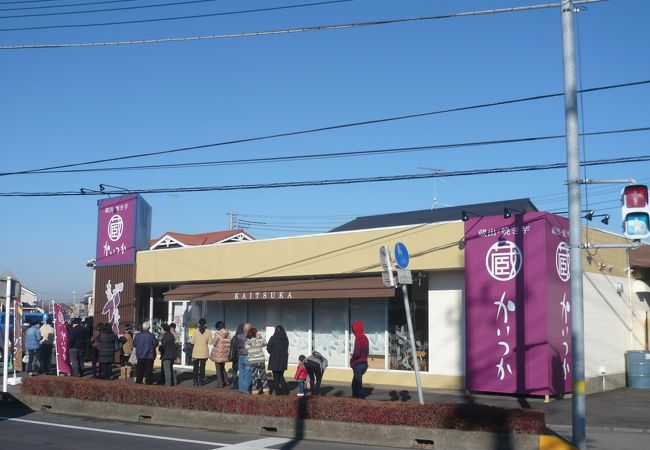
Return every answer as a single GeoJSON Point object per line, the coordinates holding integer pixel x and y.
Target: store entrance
{"type": "Point", "coordinates": [177, 313]}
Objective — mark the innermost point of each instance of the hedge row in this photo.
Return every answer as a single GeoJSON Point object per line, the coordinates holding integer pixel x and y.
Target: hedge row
{"type": "Point", "coordinates": [431, 415]}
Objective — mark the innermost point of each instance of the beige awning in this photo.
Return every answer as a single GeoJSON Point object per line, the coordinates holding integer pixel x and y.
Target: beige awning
{"type": "Point", "coordinates": [366, 287]}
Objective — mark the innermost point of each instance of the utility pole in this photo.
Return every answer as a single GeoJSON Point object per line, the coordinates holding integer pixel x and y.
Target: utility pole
{"type": "Point", "coordinates": [232, 218]}
{"type": "Point", "coordinates": [575, 238]}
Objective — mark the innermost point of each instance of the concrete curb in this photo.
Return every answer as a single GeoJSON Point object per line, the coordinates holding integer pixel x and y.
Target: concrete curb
{"type": "Point", "coordinates": [595, 428]}
{"type": "Point", "coordinates": [380, 435]}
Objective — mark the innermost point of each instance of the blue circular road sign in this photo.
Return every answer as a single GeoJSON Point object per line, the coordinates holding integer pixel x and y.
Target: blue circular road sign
{"type": "Point", "coordinates": [401, 255]}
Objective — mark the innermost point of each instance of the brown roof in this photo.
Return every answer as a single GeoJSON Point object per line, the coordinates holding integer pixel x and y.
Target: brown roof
{"type": "Point", "coordinates": [201, 238]}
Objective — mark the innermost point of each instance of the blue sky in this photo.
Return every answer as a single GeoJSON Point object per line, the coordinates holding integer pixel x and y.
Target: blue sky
{"type": "Point", "coordinates": [68, 105]}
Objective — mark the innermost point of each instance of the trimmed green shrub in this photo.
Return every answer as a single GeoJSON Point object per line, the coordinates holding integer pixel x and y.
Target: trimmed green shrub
{"type": "Point", "coordinates": [340, 409]}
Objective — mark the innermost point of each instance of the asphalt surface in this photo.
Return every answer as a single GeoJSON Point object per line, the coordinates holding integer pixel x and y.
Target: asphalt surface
{"type": "Point", "coordinates": [36, 430]}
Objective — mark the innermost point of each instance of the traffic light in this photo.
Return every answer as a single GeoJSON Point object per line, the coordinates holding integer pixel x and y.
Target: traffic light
{"type": "Point", "coordinates": [635, 212]}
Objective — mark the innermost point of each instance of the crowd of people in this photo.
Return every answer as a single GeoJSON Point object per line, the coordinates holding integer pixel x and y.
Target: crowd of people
{"type": "Point", "coordinates": [138, 348]}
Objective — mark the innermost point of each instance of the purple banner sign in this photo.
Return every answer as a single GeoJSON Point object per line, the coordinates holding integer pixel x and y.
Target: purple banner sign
{"type": "Point", "coordinates": [61, 333]}
{"type": "Point", "coordinates": [517, 304]}
{"type": "Point", "coordinates": [124, 226]}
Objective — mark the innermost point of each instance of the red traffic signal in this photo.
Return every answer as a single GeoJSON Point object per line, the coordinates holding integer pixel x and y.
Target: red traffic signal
{"type": "Point", "coordinates": [635, 196]}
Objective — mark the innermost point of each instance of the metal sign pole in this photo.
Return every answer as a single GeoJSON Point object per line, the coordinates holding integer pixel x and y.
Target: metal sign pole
{"type": "Point", "coordinates": [575, 238]}
{"type": "Point", "coordinates": [5, 359]}
{"type": "Point", "coordinates": [56, 347]}
{"type": "Point", "coordinates": [409, 322]}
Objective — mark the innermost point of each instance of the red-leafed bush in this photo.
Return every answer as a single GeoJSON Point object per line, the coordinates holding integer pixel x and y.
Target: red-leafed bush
{"type": "Point", "coordinates": [431, 415]}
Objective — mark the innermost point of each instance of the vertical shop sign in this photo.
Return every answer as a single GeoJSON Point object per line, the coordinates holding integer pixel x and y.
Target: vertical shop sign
{"type": "Point", "coordinates": [516, 337]}
{"type": "Point", "coordinates": [123, 227]}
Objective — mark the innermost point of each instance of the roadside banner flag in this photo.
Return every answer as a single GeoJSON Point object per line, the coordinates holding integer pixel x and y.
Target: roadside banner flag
{"type": "Point", "coordinates": [18, 335]}
{"type": "Point", "coordinates": [61, 342]}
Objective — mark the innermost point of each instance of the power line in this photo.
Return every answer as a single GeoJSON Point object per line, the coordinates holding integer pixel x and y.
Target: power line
{"type": "Point", "coordinates": [166, 19]}
{"type": "Point", "coordinates": [29, 1]}
{"type": "Point", "coordinates": [259, 33]}
{"type": "Point", "coordinates": [158, 5]}
{"type": "Point", "coordinates": [23, 8]}
{"type": "Point", "coordinates": [325, 128]}
{"type": "Point", "coordinates": [331, 155]}
{"type": "Point", "coordinates": [332, 182]}
{"type": "Point", "coordinates": [90, 11]}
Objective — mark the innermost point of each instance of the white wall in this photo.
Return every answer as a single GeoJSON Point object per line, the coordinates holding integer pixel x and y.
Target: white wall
{"type": "Point", "coordinates": [607, 324]}
{"type": "Point", "coordinates": [447, 323]}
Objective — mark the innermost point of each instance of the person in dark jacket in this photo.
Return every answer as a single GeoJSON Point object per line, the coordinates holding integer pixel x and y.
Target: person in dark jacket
{"type": "Point", "coordinates": [235, 356]}
{"type": "Point", "coordinates": [94, 365]}
{"type": "Point", "coordinates": [77, 342]}
{"type": "Point", "coordinates": [359, 359]}
{"type": "Point", "coordinates": [105, 342]}
{"type": "Point", "coordinates": [145, 344]}
{"type": "Point", "coordinates": [278, 348]}
{"type": "Point", "coordinates": [168, 355]}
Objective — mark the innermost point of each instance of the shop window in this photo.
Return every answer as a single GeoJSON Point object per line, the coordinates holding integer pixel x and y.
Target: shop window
{"type": "Point", "coordinates": [330, 323]}
{"type": "Point", "coordinates": [295, 316]}
{"type": "Point", "coordinates": [213, 314]}
{"type": "Point", "coordinates": [260, 315]}
{"type": "Point", "coordinates": [399, 346]}
{"type": "Point", "coordinates": [235, 313]}
{"type": "Point", "coordinates": [372, 312]}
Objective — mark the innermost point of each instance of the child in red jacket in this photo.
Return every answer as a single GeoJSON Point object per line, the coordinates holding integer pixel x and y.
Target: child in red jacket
{"type": "Point", "coordinates": [301, 375]}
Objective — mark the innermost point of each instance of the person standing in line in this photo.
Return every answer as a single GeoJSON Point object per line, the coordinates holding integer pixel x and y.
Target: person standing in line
{"type": "Point", "coordinates": [126, 339]}
{"type": "Point", "coordinates": [47, 344]}
{"type": "Point", "coordinates": [278, 348]}
{"type": "Point", "coordinates": [244, 370]}
{"type": "Point", "coordinates": [234, 356]}
{"type": "Point", "coordinates": [255, 344]}
{"type": "Point", "coordinates": [315, 365]}
{"type": "Point", "coordinates": [301, 375]}
{"type": "Point", "coordinates": [359, 359]}
{"type": "Point", "coordinates": [77, 342]}
{"type": "Point", "coordinates": [220, 353]}
{"type": "Point", "coordinates": [106, 343]}
{"type": "Point", "coordinates": [177, 339]}
{"type": "Point", "coordinates": [168, 355]}
{"type": "Point", "coordinates": [200, 340]}
{"type": "Point", "coordinates": [33, 344]}
{"type": "Point", "coordinates": [145, 349]}
{"type": "Point", "coordinates": [95, 350]}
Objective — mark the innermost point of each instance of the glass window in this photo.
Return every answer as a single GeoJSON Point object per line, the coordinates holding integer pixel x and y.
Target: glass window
{"type": "Point", "coordinates": [260, 316]}
{"type": "Point", "coordinates": [399, 345]}
{"type": "Point", "coordinates": [235, 312]}
{"type": "Point", "coordinates": [372, 312]}
{"type": "Point", "coordinates": [213, 314]}
{"type": "Point", "coordinates": [295, 316]}
{"type": "Point", "coordinates": [330, 323]}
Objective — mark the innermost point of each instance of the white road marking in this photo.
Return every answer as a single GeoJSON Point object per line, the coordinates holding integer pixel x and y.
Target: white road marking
{"type": "Point", "coordinates": [121, 433]}
{"type": "Point", "coordinates": [257, 444]}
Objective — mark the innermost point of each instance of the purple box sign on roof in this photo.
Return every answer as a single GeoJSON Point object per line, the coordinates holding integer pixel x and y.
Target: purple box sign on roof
{"type": "Point", "coordinates": [124, 226]}
{"type": "Point", "coordinates": [518, 314]}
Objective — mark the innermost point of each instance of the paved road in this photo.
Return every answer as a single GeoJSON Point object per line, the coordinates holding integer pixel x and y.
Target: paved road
{"type": "Point", "coordinates": [52, 431]}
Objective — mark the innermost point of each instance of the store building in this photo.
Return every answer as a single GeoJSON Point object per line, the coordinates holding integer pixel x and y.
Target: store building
{"type": "Point", "coordinates": [317, 285]}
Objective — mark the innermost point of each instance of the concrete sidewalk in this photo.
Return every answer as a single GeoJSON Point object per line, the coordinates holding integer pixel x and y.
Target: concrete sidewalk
{"type": "Point", "coordinates": [621, 409]}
